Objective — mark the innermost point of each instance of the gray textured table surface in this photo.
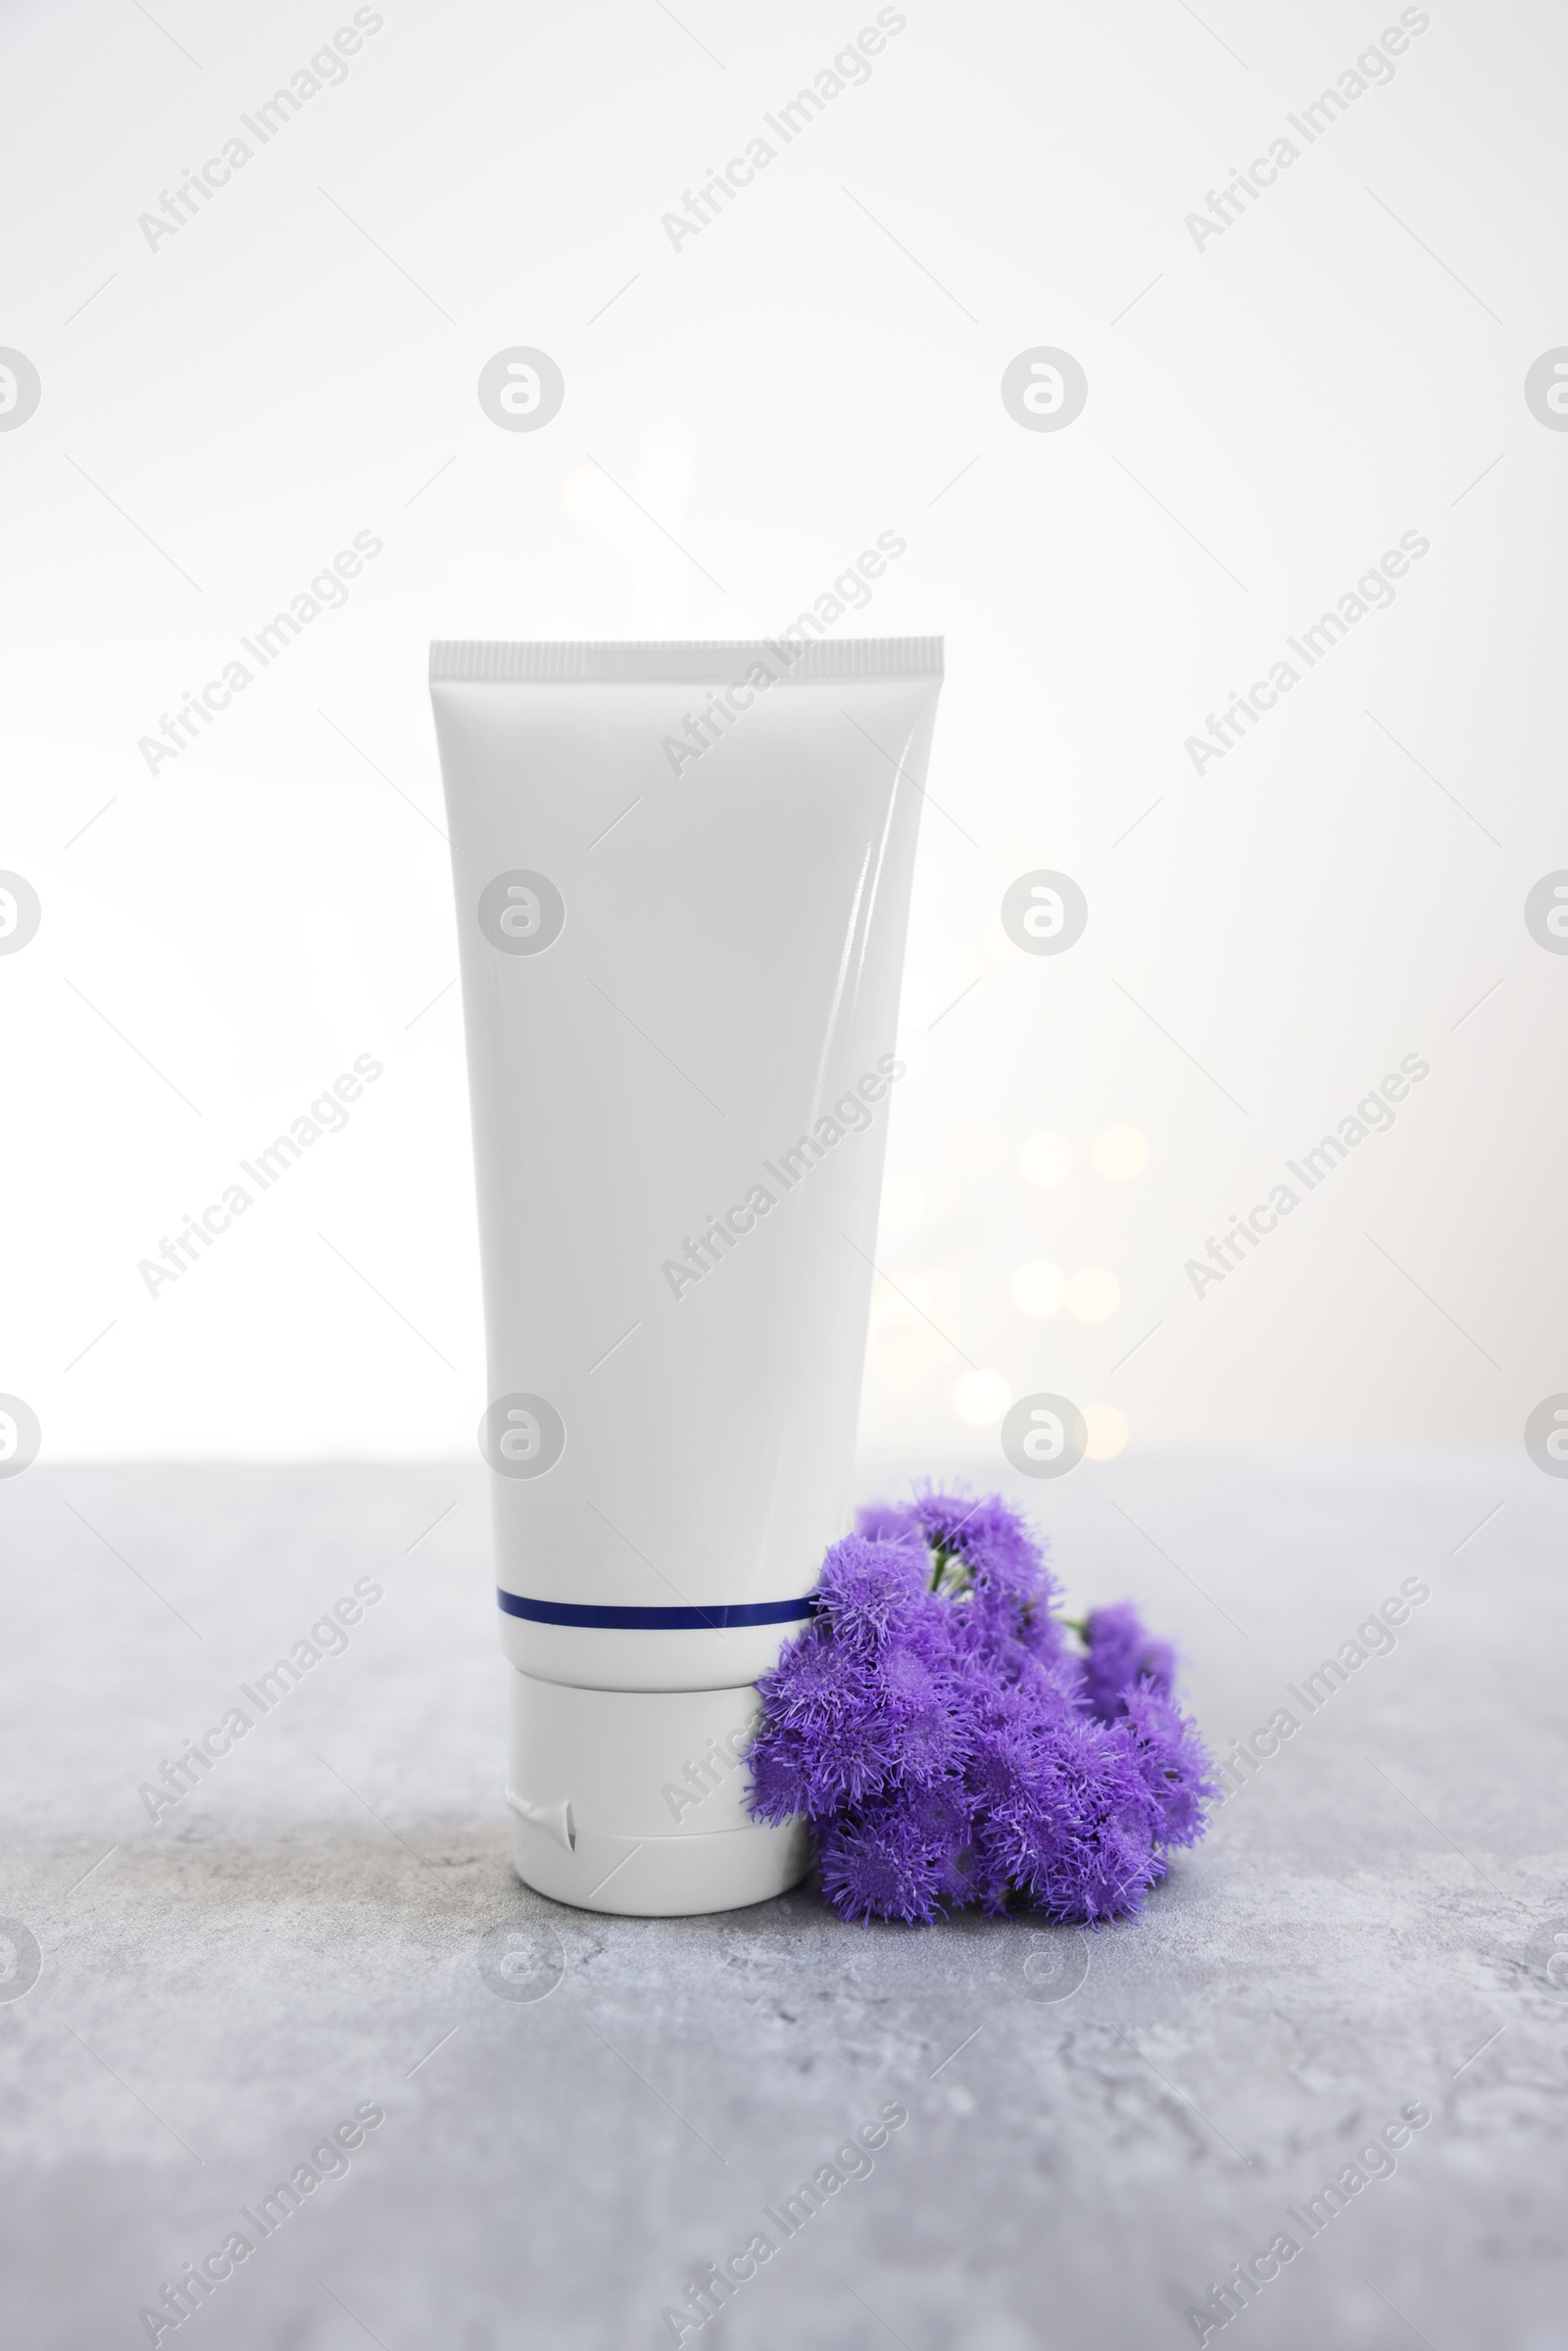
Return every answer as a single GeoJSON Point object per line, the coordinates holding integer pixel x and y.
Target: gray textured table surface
{"type": "Point", "coordinates": [314, 1927]}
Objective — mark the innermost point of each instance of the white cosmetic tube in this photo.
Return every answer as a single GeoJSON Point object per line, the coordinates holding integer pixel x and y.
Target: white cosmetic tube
{"type": "Point", "coordinates": [682, 879]}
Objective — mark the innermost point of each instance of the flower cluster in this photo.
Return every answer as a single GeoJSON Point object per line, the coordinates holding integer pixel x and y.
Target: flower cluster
{"type": "Point", "coordinates": [953, 1740]}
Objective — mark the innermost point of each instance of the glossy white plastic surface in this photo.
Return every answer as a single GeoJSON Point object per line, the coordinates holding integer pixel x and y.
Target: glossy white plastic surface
{"type": "Point", "coordinates": [635, 1802]}
{"type": "Point", "coordinates": [681, 903]}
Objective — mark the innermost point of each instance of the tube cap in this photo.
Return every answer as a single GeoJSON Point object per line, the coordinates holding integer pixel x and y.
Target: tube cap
{"type": "Point", "coordinates": [635, 1801]}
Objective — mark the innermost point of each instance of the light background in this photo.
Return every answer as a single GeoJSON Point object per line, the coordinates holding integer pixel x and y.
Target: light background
{"type": "Point", "coordinates": [1265, 417]}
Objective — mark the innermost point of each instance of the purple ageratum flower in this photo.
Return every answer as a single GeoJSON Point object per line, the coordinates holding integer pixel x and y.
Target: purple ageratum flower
{"type": "Point", "coordinates": [1122, 1652]}
{"type": "Point", "coordinates": [1177, 1768]}
{"type": "Point", "coordinates": [942, 1814]}
{"type": "Point", "coordinates": [870, 1593]}
{"type": "Point", "coordinates": [984, 1552]}
{"type": "Point", "coordinates": [888, 1522]}
{"type": "Point", "coordinates": [988, 1535]}
{"type": "Point", "coordinates": [865, 1698]}
{"type": "Point", "coordinates": [826, 1738]}
{"type": "Point", "coordinates": [947, 1745]}
{"type": "Point", "coordinates": [924, 1694]}
{"type": "Point", "coordinates": [984, 1534]}
{"type": "Point", "coordinates": [875, 1864]}
{"type": "Point", "coordinates": [910, 1856]}
{"type": "Point", "coordinates": [1077, 1837]}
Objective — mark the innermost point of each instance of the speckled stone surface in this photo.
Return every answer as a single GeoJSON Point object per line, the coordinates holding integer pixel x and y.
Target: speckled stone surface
{"type": "Point", "coordinates": [1097, 2128]}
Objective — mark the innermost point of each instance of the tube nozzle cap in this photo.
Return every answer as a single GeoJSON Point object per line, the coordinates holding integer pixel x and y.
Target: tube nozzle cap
{"type": "Point", "coordinates": [635, 1801]}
